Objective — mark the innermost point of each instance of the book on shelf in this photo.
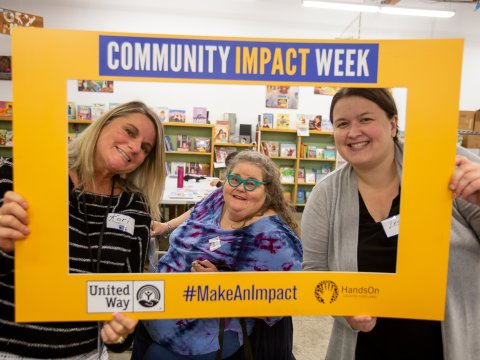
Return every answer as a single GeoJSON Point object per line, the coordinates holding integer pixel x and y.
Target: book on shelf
{"type": "Point", "coordinates": [326, 125]}
{"type": "Point", "coordinates": [221, 153]}
{"type": "Point", "coordinates": [6, 137]}
{"type": "Point", "coordinates": [194, 168]}
{"type": "Point", "coordinates": [315, 122]}
{"type": "Point", "coordinates": [301, 175]}
{"type": "Point", "coordinates": [97, 110]}
{"type": "Point", "coordinates": [302, 125]}
{"type": "Point", "coordinates": [329, 154]}
{"type": "Point", "coordinates": [176, 115]}
{"type": "Point", "coordinates": [301, 199]}
{"type": "Point", "coordinates": [287, 195]}
{"type": "Point", "coordinates": [264, 148]}
{"type": "Point", "coordinates": [230, 119]}
{"type": "Point", "coordinates": [174, 165]}
{"type": "Point", "coordinates": [184, 143]}
{"type": "Point", "coordinates": [6, 108]}
{"type": "Point", "coordinates": [288, 150]}
{"type": "Point", "coordinates": [71, 111]}
{"type": "Point", "coordinates": [310, 176]}
{"type": "Point", "coordinates": [202, 144]}
{"type": "Point", "coordinates": [200, 115]}
{"type": "Point", "coordinates": [283, 121]}
{"type": "Point", "coordinates": [273, 148]}
{"type": "Point", "coordinates": [222, 132]}
{"type": "Point", "coordinates": [319, 153]}
{"type": "Point", "coordinates": [222, 174]}
{"type": "Point", "coordinates": [312, 152]}
{"type": "Point", "coordinates": [326, 168]}
{"type": "Point", "coordinates": [287, 174]}
{"type": "Point", "coordinates": [84, 112]}
{"type": "Point", "coordinates": [267, 121]}
{"type": "Point", "coordinates": [168, 143]}
{"type": "Point", "coordinates": [162, 113]}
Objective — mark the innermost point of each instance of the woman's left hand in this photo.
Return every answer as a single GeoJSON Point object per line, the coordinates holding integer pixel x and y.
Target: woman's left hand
{"type": "Point", "coordinates": [203, 266]}
{"type": "Point", "coordinates": [117, 330]}
{"type": "Point", "coordinates": [465, 181]}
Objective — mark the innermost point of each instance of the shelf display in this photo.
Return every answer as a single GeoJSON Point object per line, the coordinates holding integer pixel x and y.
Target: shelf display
{"type": "Point", "coordinates": [302, 160]}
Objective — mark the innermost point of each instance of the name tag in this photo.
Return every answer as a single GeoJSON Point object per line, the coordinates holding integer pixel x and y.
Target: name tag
{"type": "Point", "coordinates": [215, 243]}
{"type": "Point", "coordinates": [121, 222]}
{"type": "Point", "coordinates": [391, 225]}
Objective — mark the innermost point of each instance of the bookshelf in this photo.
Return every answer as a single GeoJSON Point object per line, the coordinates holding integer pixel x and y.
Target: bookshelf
{"type": "Point", "coordinates": [189, 133]}
{"type": "Point", "coordinates": [219, 169]}
{"type": "Point", "coordinates": [314, 165]}
{"type": "Point", "coordinates": [6, 151]}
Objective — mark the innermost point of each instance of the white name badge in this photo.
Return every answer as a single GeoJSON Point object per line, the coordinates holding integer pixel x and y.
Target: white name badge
{"type": "Point", "coordinates": [391, 225]}
{"type": "Point", "coordinates": [215, 243]}
{"type": "Point", "coordinates": [121, 222]}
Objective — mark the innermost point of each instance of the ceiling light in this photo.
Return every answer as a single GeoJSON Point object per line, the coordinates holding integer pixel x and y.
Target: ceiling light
{"type": "Point", "coordinates": [340, 6]}
{"type": "Point", "coordinates": [394, 10]}
{"type": "Point", "coordinates": [391, 10]}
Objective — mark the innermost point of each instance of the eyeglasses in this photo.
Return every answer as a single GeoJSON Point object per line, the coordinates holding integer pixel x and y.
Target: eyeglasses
{"type": "Point", "coordinates": [248, 184]}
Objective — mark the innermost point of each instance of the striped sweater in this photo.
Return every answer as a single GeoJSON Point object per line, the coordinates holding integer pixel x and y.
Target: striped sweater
{"type": "Point", "coordinates": [120, 252]}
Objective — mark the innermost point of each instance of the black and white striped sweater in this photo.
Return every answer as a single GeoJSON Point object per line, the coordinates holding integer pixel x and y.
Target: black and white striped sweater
{"type": "Point", "coordinates": [120, 252]}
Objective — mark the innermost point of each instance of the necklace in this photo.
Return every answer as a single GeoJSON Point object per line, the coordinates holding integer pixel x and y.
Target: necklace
{"type": "Point", "coordinates": [102, 230]}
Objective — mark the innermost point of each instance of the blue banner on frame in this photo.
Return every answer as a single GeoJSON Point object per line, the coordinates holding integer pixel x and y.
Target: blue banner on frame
{"type": "Point", "coordinates": [173, 58]}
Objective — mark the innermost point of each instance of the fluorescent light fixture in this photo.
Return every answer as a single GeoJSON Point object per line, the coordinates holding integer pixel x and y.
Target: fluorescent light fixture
{"type": "Point", "coordinates": [391, 10]}
{"type": "Point", "coordinates": [340, 6]}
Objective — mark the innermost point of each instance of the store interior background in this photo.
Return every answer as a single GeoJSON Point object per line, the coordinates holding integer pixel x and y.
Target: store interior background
{"type": "Point", "coordinates": [285, 19]}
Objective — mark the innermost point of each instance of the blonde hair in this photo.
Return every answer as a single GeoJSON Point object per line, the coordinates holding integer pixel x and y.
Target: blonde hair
{"type": "Point", "coordinates": [148, 179]}
{"type": "Point", "coordinates": [274, 199]}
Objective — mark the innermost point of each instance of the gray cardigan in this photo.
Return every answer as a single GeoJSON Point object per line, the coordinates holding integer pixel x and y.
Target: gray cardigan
{"type": "Point", "coordinates": [330, 235]}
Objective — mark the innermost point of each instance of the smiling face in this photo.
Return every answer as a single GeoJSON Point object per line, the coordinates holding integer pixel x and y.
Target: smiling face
{"type": "Point", "coordinates": [124, 143]}
{"type": "Point", "coordinates": [239, 203]}
{"type": "Point", "coordinates": [363, 132]}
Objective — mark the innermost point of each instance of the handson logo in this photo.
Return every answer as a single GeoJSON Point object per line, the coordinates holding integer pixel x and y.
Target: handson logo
{"type": "Point", "coordinates": [326, 291]}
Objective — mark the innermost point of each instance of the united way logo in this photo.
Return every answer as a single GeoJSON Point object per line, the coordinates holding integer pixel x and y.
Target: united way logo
{"type": "Point", "coordinates": [148, 296]}
{"type": "Point", "coordinates": [326, 292]}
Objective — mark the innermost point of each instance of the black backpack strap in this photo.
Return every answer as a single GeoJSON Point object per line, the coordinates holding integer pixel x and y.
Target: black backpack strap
{"type": "Point", "coordinates": [247, 347]}
{"type": "Point", "coordinates": [221, 331]}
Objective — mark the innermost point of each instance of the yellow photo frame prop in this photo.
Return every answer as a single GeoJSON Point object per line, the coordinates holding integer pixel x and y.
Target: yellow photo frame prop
{"type": "Point", "coordinates": [45, 291]}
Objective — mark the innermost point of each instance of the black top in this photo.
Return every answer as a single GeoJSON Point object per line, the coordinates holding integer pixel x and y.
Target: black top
{"type": "Point", "coordinates": [121, 252]}
{"type": "Point", "coordinates": [391, 338]}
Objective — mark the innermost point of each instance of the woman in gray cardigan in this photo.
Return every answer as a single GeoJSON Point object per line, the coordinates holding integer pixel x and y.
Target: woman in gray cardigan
{"type": "Point", "coordinates": [342, 231]}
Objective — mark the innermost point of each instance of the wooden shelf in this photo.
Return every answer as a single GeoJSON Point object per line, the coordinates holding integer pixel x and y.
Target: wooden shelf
{"type": "Point", "coordinates": [233, 145]}
{"type": "Point", "coordinates": [311, 159]}
{"type": "Point", "coordinates": [6, 147]}
{"type": "Point", "coordinates": [179, 124]}
{"type": "Point", "coordinates": [6, 118]}
{"type": "Point", "coordinates": [80, 122]}
{"type": "Point", "coordinates": [189, 153]}
{"type": "Point", "coordinates": [320, 139]}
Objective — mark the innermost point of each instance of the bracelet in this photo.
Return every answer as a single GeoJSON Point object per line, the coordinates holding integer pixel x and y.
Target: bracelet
{"type": "Point", "coordinates": [169, 229]}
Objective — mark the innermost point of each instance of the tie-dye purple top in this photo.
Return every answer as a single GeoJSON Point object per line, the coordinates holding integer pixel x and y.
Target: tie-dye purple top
{"type": "Point", "coordinates": [266, 245]}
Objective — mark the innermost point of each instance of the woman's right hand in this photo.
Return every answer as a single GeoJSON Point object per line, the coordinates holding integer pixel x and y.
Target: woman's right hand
{"type": "Point", "coordinates": [158, 228]}
{"type": "Point", "coordinates": [13, 220]}
{"type": "Point", "coordinates": [363, 323]}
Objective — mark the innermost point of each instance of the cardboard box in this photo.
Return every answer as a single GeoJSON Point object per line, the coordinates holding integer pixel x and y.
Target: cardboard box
{"type": "Point", "coordinates": [476, 125]}
{"type": "Point", "coordinates": [471, 141]}
{"type": "Point", "coordinates": [466, 120]}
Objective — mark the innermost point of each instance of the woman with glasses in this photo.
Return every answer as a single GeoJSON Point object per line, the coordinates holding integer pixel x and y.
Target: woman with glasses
{"type": "Point", "coordinates": [244, 226]}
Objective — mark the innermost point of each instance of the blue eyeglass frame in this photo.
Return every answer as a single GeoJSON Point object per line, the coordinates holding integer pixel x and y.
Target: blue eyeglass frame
{"type": "Point", "coordinates": [244, 182]}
